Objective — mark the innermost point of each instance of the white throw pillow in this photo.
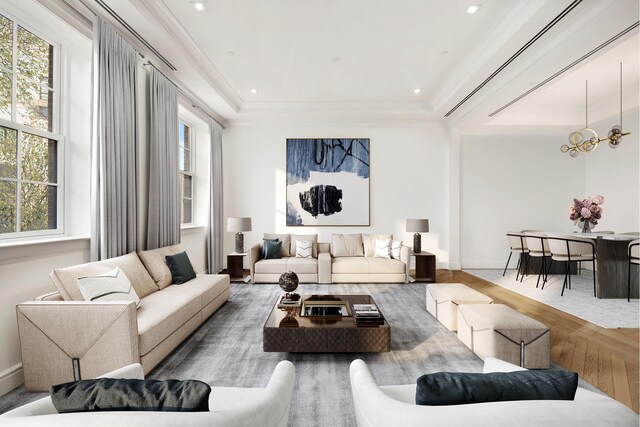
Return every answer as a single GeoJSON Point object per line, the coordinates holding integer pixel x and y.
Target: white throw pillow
{"type": "Point", "coordinates": [304, 249]}
{"type": "Point", "coordinates": [383, 248]}
{"type": "Point", "coordinates": [395, 249]}
{"type": "Point", "coordinates": [110, 286]}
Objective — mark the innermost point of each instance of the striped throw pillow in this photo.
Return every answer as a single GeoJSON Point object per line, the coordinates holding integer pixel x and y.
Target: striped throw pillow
{"type": "Point", "coordinates": [383, 248]}
{"type": "Point", "coordinates": [395, 249]}
{"type": "Point", "coordinates": [304, 249]}
{"type": "Point", "coordinates": [110, 286]}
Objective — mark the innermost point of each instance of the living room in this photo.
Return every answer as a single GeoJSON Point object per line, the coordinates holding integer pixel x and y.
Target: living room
{"type": "Point", "coordinates": [461, 113]}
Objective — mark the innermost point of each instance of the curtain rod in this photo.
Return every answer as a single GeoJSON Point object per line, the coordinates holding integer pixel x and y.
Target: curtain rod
{"type": "Point", "coordinates": [186, 95]}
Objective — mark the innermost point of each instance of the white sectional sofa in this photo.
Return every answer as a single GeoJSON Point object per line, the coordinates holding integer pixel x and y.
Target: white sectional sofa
{"type": "Point", "coordinates": [395, 406]}
{"type": "Point", "coordinates": [228, 407]}
{"type": "Point", "coordinates": [62, 335]}
{"type": "Point", "coordinates": [348, 259]}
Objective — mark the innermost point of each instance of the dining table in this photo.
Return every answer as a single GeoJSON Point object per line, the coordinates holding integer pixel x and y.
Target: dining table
{"type": "Point", "coordinates": [612, 263]}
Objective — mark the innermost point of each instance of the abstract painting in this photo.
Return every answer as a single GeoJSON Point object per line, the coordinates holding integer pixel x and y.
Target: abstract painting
{"type": "Point", "coordinates": [328, 181]}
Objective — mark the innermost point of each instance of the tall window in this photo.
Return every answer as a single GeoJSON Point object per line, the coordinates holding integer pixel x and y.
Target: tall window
{"type": "Point", "coordinates": [185, 160]}
{"type": "Point", "coordinates": [29, 144]}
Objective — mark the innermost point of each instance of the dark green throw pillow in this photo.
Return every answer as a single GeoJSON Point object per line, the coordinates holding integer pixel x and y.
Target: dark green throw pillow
{"type": "Point", "coordinates": [114, 394]}
{"type": "Point", "coordinates": [450, 388]}
{"type": "Point", "coordinates": [264, 242]}
{"type": "Point", "coordinates": [180, 267]}
{"type": "Point", "coordinates": [272, 249]}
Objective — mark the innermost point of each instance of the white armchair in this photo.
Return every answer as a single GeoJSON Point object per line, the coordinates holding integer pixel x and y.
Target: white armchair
{"type": "Point", "coordinates": [395, 406]}
{"type": "Point", "coordinates": [228, 406]}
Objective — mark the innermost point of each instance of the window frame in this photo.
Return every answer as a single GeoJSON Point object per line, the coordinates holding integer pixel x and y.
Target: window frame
{"type": "Point", "coordinates": [191, 173]}
{"type": "Point", "coordinates": [22, 128]}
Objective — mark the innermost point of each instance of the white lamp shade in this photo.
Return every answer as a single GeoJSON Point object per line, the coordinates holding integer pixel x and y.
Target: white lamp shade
{"type": "Point", "coordinates": [418, 225]}
{"type": "Point", "coordinates": [239, 224]}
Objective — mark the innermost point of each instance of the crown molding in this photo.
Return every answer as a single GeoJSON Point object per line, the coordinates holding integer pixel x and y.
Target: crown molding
{"type": "Point", "coordinates": [157, 10]}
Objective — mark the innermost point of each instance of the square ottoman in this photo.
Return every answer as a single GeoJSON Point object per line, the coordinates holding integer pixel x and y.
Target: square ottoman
{"type": "Point", "coordinates": [443, 300]}
{"type": "Point", "coordinates": [499, 331]}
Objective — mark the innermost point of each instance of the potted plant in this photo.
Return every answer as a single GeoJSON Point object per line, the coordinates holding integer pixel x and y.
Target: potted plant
{"type": "Point", "coordinates": [586, 213]}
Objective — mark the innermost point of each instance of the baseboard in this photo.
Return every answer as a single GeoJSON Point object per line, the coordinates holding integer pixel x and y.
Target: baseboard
{"type": "Point", "coordinates": [454, 266]}
{"type": "Point", "coordinates": [11, 378]}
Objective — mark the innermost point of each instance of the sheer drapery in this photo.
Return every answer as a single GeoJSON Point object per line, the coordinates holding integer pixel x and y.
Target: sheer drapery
{"type": "Point", "coordinates": [114, 145]}
{"type": "Point", "coordinates": [214, 222]}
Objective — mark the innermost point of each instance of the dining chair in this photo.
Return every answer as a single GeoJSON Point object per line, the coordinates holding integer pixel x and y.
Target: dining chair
{"type": "Point", "coordinates": [569, 249]}
{"type": "Point", "coordinates": [634, 258]}
{"type": "Point", "coordinates": [538, 248]}
{"type": "Point", "coordinates": [518, 245]}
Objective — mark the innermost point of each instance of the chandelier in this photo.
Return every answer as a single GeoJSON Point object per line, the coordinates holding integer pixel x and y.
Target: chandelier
{"type": "Point", "coordinates": [586, 139]}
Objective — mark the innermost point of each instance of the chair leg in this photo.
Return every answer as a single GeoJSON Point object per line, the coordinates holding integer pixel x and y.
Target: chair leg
{"type": "Point", "coordinates": [566, 271]}
{"type": "Point", "coordinates": [526, 264]}
{"type": "Point", "coordinates": [594, 278]}
{"type": "Point", "coordinates": [546, 276]}
{"type": "Point", "coordinates": [540, 272]}
{"type": "Point", "coordinates": [518, 267]}
{"type": "Point", "coordinates": [505, 267]}
{"type": "Point", "coordinates": [629, 284]}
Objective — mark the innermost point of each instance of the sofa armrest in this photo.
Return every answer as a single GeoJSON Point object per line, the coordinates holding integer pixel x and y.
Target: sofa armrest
{"type": "Point", "coordinates": [51, 296]}
{"type": "Point", "coordinates": [324, 267]}
{"type": "Point", "coordinates": [405, 256]}
{"type": "Point", "coordinates": [324, 248]}
{"type": "Point", "coordinates": [254, 256]}
{"type": "Point", "coordinates": [66, 340]}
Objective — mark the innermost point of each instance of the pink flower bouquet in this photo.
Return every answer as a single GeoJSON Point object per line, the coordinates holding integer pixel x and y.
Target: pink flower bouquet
{"type": "Point", "coordinates": [586, 210]}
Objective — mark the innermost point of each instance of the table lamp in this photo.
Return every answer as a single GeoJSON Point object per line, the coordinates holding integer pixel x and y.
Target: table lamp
{"type": "Point", "coordinates": [239, 225]}
{"type": "Point", "coordinates": [417, 226]}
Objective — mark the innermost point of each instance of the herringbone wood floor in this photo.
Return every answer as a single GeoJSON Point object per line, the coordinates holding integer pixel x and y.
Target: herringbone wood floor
{"type": "Point", "coordinates": [606, 358]}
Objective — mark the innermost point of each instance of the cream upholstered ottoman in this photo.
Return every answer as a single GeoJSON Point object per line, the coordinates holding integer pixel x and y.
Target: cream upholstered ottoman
{"type": "Point", "coordinates": [499, 331]}
{"type": "Point", "coordinates": [443, 300]}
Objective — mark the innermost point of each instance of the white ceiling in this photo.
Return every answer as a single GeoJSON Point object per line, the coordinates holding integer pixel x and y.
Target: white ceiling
{"type": "Point", "coordinates": [348, 61]}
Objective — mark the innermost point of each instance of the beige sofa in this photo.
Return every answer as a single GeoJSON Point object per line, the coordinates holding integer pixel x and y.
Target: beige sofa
{"type": "Point", "coordinates": [348, 259]}
{"type": "Point", "coordinates": [63, 337]}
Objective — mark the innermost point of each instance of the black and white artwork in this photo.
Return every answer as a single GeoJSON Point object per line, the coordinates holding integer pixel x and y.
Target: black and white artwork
{"type": "Point", "coordinates": [328, 181]}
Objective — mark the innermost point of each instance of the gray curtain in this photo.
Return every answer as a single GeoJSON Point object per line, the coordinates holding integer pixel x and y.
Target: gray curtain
{"type": "Point", "coordinates": [214, 223]}
{"type": "Point", "coordinates": [114, 145]}
{"type": "Point", "coordinates": [164, 193]}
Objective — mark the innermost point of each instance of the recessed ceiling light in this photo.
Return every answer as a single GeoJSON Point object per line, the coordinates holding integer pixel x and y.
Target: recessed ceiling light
{"type": "Point", "coordinates": [473, 8]}
{"type": "Point", "coordinates": [416, 90]}
{"type": "Point", "coordinates": [254, 91]}
{"type": "Point", "coordinates": [199, 5]}
{"type": "Point", "coordinates": [444, 53]}
{"type": "Point", "coordinates": [231, 53]}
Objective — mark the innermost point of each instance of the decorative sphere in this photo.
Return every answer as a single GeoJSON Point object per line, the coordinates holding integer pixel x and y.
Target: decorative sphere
{"type": "Point", "coordinates": [289, 281]}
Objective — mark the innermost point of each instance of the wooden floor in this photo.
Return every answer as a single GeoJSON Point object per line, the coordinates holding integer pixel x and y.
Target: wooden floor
{"type": "Point", "coordinates": [606, 358]}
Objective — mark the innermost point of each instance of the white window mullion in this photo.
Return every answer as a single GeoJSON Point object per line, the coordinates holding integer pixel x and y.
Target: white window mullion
{"type": "Point", "coordinates": [18, 181]}
{"type": "Point", "coordinates": [14, 79]}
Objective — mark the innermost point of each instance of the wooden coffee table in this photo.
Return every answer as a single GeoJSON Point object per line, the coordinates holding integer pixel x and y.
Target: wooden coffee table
{"type": "Point", "coordinates": [289, 330]}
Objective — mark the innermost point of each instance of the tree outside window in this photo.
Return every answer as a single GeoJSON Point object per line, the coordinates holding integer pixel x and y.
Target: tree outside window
{"type": "Point", "coordinates": [28, 145]}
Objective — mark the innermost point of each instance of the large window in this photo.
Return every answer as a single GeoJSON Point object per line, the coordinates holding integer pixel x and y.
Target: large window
{"type": "Point", "coordinates": [29, 143]}
{"type": "Point", "coordinates": [185, 159]}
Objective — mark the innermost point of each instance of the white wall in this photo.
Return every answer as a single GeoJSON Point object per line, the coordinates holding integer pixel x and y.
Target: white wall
{"type": "Point", "coordinates": [25, 269]}
{"type": "Point", "coordinates": [408, 180]}
{"type": "Point", "coordinates": [614, 174]}
{"type": "Point", "coordinates": [513, 182]}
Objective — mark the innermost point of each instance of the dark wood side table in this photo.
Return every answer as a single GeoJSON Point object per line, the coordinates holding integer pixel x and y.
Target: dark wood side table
{"type": "Point", "coordinates": [425, 267]}
{"type": "Point", "coordinates": [235, 266]}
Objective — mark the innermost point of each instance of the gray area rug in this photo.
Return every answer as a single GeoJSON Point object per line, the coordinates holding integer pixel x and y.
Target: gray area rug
{"type": "Point", "coordinates": [227, 351]}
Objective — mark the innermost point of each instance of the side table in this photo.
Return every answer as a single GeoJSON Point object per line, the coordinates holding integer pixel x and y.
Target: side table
{"type": "Point", "coordinates": [235, 267]}
{"type": "Point", "coordinates": [425, 267]}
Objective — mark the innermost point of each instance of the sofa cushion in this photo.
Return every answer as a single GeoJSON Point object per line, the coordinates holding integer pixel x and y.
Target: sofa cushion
{"type": "Point", "coordinates": [346, 245]}
{"type": "Point", "coordinates": [66, 279]}
{"type": "Point", "coordinates": [162, 313]}
{"type": "Point", "coordinates": [350, 265]}
{"type": "Point", "coordinates": [180, 267]}
{"type": "Point", "coordinates": [385, 265]}
{"type": "Point", "coordinates": [120, 394]}
{"type": "Point", "coordinates": [271, 266]}
{"type": "Point", "coordinates": [154, 261]}
{"type": "Point", "coordinates": [313, 238]}
{"type": "Point", "coordinates": [455, 388]}
{"type": "Point", "coordinates": [369, 242]}
{"type": "Point", "coordinates": [302, 265]}
{"type": "Point", "coordinates": [110, 286]}
{"type": "Point", "coordinates": [210, 286]}
{"type": "Point", "coordinates": [284, 238]}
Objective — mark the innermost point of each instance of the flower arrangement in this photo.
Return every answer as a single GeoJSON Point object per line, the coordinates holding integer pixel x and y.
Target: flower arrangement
{"type": "Point", "coordinates": [587, 210]}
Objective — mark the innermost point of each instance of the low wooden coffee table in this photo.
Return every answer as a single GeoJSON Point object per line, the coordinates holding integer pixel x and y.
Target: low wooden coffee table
{"type": "Point", "coordinates": [288, 330]}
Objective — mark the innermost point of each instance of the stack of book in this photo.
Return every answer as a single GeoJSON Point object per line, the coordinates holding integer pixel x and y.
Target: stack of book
{"type": "Point", "coordinates": [367, 314]}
